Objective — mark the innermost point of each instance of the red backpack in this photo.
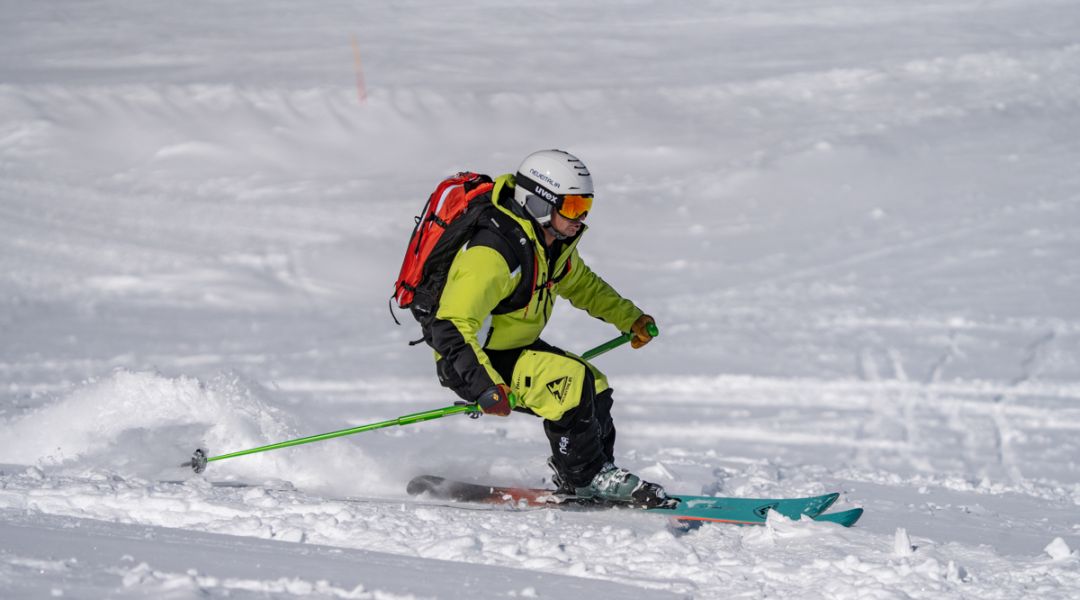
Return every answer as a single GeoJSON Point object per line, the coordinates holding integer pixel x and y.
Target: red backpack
{"type": "Point", "coordinates": [458, 208]}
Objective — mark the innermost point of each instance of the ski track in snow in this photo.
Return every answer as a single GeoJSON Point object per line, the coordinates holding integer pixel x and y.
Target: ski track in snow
{"type": "Point", "coordinates": [862, 225]}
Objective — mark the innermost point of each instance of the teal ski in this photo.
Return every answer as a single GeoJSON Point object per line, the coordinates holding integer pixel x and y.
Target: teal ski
{"type": "Point", "coordinates": [745, 511]}
{"type": "Point", "coordinates": [740, 511]}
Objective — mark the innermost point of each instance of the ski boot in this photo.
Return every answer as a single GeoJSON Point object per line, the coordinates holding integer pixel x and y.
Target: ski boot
{"type": "Point", "coordinates": [620, 486]}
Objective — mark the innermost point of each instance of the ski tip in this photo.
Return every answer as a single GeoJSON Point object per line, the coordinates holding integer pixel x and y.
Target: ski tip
{"type": "Point", "coordinates": [846, 518]}
{"type": "Point", "coordinates": [828, 500]}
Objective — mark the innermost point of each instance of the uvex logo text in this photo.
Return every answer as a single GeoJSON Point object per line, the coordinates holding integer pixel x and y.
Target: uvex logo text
{"type": "Point", "coordinates": [540, 191]}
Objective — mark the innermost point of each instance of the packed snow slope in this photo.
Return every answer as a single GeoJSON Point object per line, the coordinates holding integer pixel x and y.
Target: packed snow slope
{"type": "Point", "coordinates": [857, 225]}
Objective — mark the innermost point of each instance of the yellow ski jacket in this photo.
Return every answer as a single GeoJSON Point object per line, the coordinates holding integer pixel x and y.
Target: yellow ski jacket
{"type": "Point", "coordinates": [480, 277]}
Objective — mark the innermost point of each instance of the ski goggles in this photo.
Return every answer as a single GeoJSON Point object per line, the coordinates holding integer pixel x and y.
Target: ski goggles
{"type": "Point", "coordinates": [575, 206]}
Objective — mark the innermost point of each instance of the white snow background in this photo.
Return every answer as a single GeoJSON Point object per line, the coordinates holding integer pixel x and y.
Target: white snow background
{"type": "Point", "coordinates": [857, 224]}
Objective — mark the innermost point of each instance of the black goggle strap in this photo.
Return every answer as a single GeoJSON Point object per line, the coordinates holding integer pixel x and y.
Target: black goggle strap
{"type": "Point", "coordinates": [537, 189]}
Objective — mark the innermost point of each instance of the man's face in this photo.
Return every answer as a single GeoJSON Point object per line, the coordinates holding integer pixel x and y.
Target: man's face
{"type": "Point", "coordinates": [565, 226]}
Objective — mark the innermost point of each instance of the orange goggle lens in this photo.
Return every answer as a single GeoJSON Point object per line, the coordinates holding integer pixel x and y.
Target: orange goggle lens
{"type": "Point", "coordinates": [575, 206]}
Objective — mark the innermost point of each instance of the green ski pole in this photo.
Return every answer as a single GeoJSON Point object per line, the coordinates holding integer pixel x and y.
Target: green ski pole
{"type": "Point", "coordinates": [199, 458]}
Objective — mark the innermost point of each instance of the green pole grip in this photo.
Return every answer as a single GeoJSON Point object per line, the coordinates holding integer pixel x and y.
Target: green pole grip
{"type": "Point", "coordinates": [616, 342]}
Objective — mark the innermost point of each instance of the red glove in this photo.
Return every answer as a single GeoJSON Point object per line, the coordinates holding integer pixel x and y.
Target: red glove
{"type": "Point", "coordinates": [640, 329]}
{"type": "Point", "coordinates": [497, 400]}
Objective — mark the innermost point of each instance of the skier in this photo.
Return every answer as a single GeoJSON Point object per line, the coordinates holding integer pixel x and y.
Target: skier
{"type": "Point", "coordinates": [497, 360]}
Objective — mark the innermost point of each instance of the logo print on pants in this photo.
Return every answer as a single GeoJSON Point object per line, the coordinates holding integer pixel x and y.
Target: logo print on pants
{"type": "Point", "coordinates": [559, 387]}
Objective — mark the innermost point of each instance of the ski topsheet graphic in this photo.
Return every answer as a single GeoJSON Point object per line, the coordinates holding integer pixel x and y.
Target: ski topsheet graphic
{"type": "Point", "coordinates": [742, 511]}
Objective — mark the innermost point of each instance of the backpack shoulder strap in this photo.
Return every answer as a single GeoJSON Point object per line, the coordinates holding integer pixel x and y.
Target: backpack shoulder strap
{"type": "Point", "coordinates": [500, 232]}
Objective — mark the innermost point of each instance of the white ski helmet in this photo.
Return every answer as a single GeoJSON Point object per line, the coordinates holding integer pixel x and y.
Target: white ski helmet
{"type": "Point", "coordinates": [545, 177]}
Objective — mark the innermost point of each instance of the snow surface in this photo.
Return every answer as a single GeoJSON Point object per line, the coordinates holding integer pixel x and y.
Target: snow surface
{"type": "Point", "coordinates": [858, 226]}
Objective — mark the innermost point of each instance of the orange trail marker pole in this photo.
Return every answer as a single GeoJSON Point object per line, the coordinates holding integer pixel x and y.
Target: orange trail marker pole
{"type": "Point", "coordinates": [361, 87]}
